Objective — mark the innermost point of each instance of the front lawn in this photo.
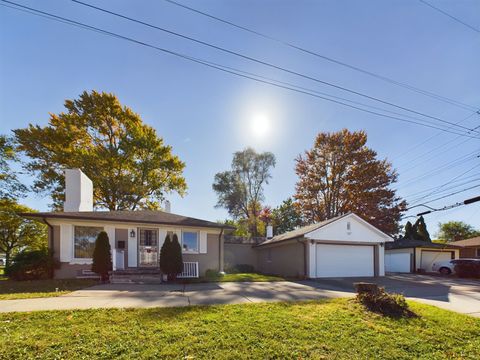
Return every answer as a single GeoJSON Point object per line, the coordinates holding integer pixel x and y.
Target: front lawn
{"type": "Point", "coordinates": [11, 289]}
{"type": "Point", "coordinates": [321, 329]}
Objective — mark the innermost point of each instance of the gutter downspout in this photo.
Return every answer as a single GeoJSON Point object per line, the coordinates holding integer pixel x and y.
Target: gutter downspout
{"type": "Point", "coordinates": [220, 252]}
{"type": "Point", "coordinates": [304, 243]}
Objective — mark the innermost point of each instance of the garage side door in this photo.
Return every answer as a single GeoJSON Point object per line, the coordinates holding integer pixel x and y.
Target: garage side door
{"type": "Point", "coordinates": [397, 262]}
{"type": "Point", "coordinates": [429, 257]}
{"type": "Point", "coordinates": [344, 260]}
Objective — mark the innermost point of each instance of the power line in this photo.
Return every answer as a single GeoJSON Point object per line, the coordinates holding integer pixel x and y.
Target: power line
{"type": "Point", "coordinates": [450, 16]}
{"type": "Point", "coordinates": [327, 58]}
{"type": "Point", "coordinates": [461, 182]}
{"type": "Point", "coordinates": [209, 64]}
{"type": "Point", "coordinates": [465, 202]}
{"type": "Point", "coordinates": [265, 63]}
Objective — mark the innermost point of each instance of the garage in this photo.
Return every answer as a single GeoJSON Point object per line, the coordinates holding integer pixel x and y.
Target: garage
{"type": "Point", "coordinates": [428, 257]}
{"type": "Point", "coordinates": [398, 262]}
{"type": "Point", "coordinates": [344, 260]}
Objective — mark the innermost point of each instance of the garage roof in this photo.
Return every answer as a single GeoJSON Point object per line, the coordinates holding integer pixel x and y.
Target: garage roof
{"type": "Point", "coordinates": [468, 242]}
{"type": "Point", "coordinates": [410, 243]}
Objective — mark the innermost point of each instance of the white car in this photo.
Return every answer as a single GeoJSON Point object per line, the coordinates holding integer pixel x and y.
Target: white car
{"type": "Point", "coordinates": [448, 267]}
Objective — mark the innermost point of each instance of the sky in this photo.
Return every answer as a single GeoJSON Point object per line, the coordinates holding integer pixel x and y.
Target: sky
{"type": "Point", "coordinates": [206, 115]}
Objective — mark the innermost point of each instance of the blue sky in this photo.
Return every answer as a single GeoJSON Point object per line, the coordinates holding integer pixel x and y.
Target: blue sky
{"type": "Point", "coordinates": [206, 115]}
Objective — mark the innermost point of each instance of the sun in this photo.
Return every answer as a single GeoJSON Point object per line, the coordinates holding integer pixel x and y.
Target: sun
{"type": "Point", "coordinates": [260, 125]}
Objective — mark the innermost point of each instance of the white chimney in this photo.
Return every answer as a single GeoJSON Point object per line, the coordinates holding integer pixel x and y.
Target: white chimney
{"type": "Point", "coordinates": [78, 191]}
{"type": "Point", "coordinates": [269, 231]}
{"type": "Point", "coordinates": [168, 206]}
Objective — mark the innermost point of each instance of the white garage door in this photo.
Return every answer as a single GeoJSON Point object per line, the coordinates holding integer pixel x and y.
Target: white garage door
{"type": "Point", "coordinates": [344, 260]}
{"type": "Point", "coordinates": [397, 262]}
{"type": "Point", "coordinates": [429, 257]}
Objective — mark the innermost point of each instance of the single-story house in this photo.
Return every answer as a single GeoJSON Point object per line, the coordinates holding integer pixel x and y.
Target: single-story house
{"type": "Point", "coordinates": [409, 255]}
{"type": "Point", "coordinates": [136, 237]}
{"type": "Point", "coordinates": [344, 246]}
{"type": "Point", "coordinates": [469, 248]}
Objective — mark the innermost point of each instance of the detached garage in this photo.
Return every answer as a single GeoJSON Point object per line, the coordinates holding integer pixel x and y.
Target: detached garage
{"type": "Point", "coordinates": [345, 246]}
{"type": "Point", "coordinates": [407, 255]}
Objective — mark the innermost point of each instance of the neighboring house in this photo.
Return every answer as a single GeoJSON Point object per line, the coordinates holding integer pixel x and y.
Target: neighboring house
{"type": "Point", "coordinates": [136, 237]}
{"type": "Point", "coordinates": [344, 246]}
{"type": "Point", "coordinates": [409, 255]}
{"type": "Point", "coordinates": [470, 248]}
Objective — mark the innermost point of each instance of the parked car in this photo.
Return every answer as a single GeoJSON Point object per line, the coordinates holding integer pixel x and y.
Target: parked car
{"type": "Point", "coordinates": [448, 267]}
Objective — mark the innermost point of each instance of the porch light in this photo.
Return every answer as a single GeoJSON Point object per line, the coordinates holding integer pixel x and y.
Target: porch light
{"type": "Point", "coordinates": [132, 233]}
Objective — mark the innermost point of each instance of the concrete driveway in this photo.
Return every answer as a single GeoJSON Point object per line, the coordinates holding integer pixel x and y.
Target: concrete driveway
{"type": "Point", "coordinates": [453, 294]}
{"type": "Point", "coordinates": [460, 295]}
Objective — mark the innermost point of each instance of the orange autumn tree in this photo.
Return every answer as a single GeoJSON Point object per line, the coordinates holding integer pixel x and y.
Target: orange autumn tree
{"type": "Point", "coordinates": [341, 174]}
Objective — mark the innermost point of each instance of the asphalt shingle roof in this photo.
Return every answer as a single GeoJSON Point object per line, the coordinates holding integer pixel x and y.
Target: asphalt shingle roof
{"type": "Point", "coordinates": [468, 242]}
{"type": "Point", "coordinates": [144, 217]}
{"type": "Point", "coordinates": [410, 243]}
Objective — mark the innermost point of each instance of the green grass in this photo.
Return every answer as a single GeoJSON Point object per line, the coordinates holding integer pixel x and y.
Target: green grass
{"type": "Point", "coordinates": [10, 289]}
{"type": "Point", "coordinates": [333, 329]}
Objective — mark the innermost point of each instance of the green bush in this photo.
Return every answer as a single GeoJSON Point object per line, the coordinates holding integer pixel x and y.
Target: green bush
{"type": "Point", "coordinates": [171, 261]}
{"type": "Point", "coordinates": [240, 269]}
{"type": "Point", "coordinates": [32, 265]}
{"type": "Point", "coordinates": [102, 256]}
{"type": "Point", "coordinates": [212, 274]}
{"type": "Point", "coordinates": [467, 268]}
{"type": "Point", "coordinates": [376, 299]}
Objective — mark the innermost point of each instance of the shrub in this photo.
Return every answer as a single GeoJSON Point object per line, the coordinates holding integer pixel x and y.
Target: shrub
{"type": "Point", "coordinates": [241, 268]}
{"type": "Point", "coordinates": [212, 274]}
{"type": "Point", "coordinates": [171, 261]}
{"type": "Point", "coordinates": [32, 265]}
{"type": "Point", "coordinates": [376, 299]}
{"type": "Point", "coordinates": [467, 268]}
{"type": "Point", "coordinates": [102, 256]}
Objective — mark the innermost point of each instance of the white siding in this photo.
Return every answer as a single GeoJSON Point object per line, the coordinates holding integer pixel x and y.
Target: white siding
{"type": "Point", "coordinates": [66, 242]}
{"type": "Point", "coordinates": [203, 242]}
{"type": "Point", "coordinates": [132, 248]}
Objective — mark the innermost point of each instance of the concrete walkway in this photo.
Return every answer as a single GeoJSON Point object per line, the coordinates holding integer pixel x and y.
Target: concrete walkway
{"type": "Point", "coordinates": [146, 296]}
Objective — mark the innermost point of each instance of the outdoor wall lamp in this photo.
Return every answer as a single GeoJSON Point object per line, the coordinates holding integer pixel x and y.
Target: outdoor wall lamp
{"type": "Point", "coordinates": [132, 233]}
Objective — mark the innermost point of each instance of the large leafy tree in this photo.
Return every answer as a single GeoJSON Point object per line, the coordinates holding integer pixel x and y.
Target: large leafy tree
{"type": "Point", "coordinates": [10, 186]}
{"type": "Point", "coordinates": [285, 217]}
{"type": "Point", "coordinates": [127, 161]}
{"type": "Point", "coordinates": [240, 190]}
{"type": "Point", "coordinates": [456, 230]}
{"type": "Point", "coordinates": [341, 174]}
{"type": "Point", "coordinates": [18, 233]}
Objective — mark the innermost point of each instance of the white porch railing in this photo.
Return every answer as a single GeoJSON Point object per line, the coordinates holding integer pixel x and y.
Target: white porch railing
{"type": "Point", "coordinates": [190, 270]}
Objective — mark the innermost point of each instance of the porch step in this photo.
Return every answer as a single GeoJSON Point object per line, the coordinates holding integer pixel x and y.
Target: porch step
{"type": "Point", "coordinates": [137, 276]}
{"type": "Point", "coordinates": [145, 271]}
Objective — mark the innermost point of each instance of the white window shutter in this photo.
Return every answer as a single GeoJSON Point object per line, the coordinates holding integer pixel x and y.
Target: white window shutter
{"type": "Point", "coordinates": [66, 243]}
{"type": "Point", "coordinates": [203, 242]}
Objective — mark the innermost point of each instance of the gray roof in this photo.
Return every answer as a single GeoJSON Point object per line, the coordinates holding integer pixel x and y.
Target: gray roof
{"type": "Point", "coordinates": [143, 216]}
{"type": "Point", "coordinates": [410, 243]}
{"type": "Point", "coordinates": [297, 233]}
{"type": "Point", "coordinates": [468, 242]}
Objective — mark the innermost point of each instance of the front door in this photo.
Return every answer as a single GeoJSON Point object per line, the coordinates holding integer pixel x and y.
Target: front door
{"type": "Point", "coordinates": [148, 248]}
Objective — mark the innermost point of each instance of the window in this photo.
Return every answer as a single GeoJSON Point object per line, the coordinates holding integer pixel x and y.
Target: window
{"type": "Point", "coordinates": [121, 244]}
{"type": "Point", "coordinates": [148, 237]}
{"type": "Point", "coordinates": [478, 252]}
{"type": "Point", "coordinates": [84, 241]}
{"type": "Point", "coordinates": [190, 241]}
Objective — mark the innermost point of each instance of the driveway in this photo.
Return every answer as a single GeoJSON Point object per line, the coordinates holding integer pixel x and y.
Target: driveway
{"type": "Point", "coordinates": [449, 293]}
{"type": "Point", "coordinates": [460, 295]}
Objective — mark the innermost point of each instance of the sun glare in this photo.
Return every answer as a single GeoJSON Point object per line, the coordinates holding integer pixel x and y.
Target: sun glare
{"type": "Point", "coordinates": [260, 125]}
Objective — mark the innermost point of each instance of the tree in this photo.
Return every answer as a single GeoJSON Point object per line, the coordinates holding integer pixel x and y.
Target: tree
{"type": "Point", "coordinates": [409, 232]}
{"type": "Point", "coordinates": [285, 217]}
{"type": "Point", "coordinates": [240, 190]}
{"type": "Point", "coordinates": [18, 233]}
{"type": "Point", "coordinates": [341, 174]}
{"type": "Point", "coordinates": [129, 164]}
{"type": "Point", "coordinates": [102, 256]}
{"type": "Point", "coordinates": [171, 261]}
{"type": "Point", "coordinates": [420, 230]}
{"type": "Point", "coordinates": [10, 186]}
{"type": "Point", "coordinates": [456, 230]}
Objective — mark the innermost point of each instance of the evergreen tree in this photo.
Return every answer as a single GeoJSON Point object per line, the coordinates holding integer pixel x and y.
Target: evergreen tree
{"type": "Point", "coordinates": [176, 257]}
{"type": "Point", "coordinates": [102, 256]}
{"type": "Point", "coordinates": [409, 232]}
{"type": "Point", "coordinates": [421, 230]}
{"type": "Point", "coordinates": [165, 254]}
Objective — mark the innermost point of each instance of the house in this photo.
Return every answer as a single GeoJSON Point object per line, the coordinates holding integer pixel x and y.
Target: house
{"type": "Point", "coordinates": [469, 248]}
{"type": "Point", "coordinates": [344, 246]}
{"type": "Point", "coordinates": [410, 255]}
{"type": "Point", "coordinates": [136, 237]}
